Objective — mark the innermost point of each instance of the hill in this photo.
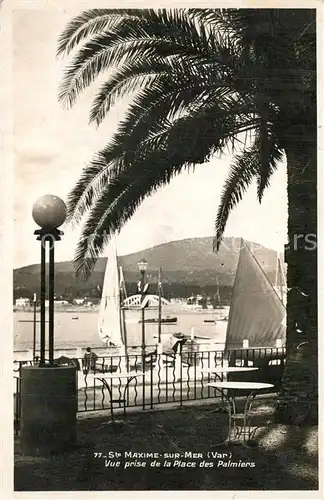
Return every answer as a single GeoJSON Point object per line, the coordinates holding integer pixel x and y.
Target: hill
{"type": "Point", "coordinates": [189, 266]}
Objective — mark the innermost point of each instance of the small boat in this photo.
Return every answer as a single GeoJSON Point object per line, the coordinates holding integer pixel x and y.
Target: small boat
{"type": "Point", "coordinates": [209, 321]}
{"type": "Point", "coordinates": [75, 317]}
{"type": "Point", "coordinates": [181, 336]}
{"type": "Point", "coordinates": [168, 319]}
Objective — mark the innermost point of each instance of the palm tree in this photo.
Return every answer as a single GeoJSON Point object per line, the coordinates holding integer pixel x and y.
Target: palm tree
{"type": "Point", "coordinates": [203, 81]}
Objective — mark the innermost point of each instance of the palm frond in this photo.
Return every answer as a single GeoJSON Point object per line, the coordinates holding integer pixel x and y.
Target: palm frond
{"type": "Point", "coordinates": [242, 172]}
{"type": "Point", "coordinates": [117, 204]}
{"type": "Point", "coordinates": [137, 38]}
{"type": "Point", "coordinates": [155, 75]}
{"type": "Point", "coordinates": [158, 22]}
{"type": "Point", "coordinates": [170, 95]}
{"type": "Point", "coordinates": [131, 137]}
{"type": "Point", "coordinates": [95, 58]}
{"type": "Point", "coordinates": [205, 15]}
{"type": "Point", "coordinates": [92, 22]}
{"type": "Point", "coordinates": [263, 146]}
{"type": "Point", "coordinates": [168, 148]}
{"type": "Point", "coordinates": [93, 179]}
{"type": "Point", "coordinates": [83, 26]}
{"type": "Point", "coordinates": [140, 73]}
{"type": "Point", "coordinates": [197, 130]}
{"type": "Point", "coordinates": [198, 89]}
{"type": "Point", "coordinates": [270, 154]}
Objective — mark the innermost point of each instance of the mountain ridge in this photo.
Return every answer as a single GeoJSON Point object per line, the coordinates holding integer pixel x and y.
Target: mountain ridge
{"type": "Point", "coordinates": [190, 261]}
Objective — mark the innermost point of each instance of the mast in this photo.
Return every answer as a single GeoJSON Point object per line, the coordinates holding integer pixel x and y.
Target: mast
{"type": "Point", "coordinates": [218, 294]}
{"type": "Point", "coordinates": [122, 297]}
{"type": "Point", "coordinates": [122, 283]}
{"type": "Point", "coordinates": [159, 361]}
{"type": "Point", "coordinates": [277, 271]}
{"type": "Point", "coordinates": [281, 280]}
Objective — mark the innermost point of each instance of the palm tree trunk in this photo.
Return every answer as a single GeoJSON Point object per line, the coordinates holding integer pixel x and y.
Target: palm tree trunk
{"type": "Point", "coordinates": [298, 399]}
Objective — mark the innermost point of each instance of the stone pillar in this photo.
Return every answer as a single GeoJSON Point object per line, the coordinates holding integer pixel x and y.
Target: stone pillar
{"type": "Point", "coordinates": [48, 409]}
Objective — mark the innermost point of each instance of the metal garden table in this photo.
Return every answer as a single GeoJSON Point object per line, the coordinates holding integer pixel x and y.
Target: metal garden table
{"type": "Point", "coordinates": [104, 378]}
{"type": "Point", "coordinates": [231, 388]}
{"type": "Point", "coordinates": [219, 371]}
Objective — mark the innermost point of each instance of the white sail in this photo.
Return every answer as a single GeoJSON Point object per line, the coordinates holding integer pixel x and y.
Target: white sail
{"type": "Point", "coordinates": [109, 322]}
{"type": "Point", "coordinates": [256, 313]}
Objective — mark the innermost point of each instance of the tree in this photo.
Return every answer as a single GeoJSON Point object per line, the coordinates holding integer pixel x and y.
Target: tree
{"type": "Point", "coordinates": [202, 81]}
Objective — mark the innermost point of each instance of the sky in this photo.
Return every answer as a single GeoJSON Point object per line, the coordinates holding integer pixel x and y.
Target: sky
{"type": "Point", "coordinates": [52, 145]}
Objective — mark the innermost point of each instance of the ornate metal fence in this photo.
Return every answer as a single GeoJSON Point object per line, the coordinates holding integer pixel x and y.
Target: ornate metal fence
{"type": "Point", "coordinates": [178, 378]}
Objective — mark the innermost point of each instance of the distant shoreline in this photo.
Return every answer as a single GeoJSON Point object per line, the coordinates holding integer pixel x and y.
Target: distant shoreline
{"type": "Point", "coordinates": [67, 309]}
{"type": "Point", "coordinates": [176, 307]}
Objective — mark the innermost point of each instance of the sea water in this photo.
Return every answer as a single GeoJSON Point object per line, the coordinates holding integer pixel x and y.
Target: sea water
{"type": "Point", "coordinates": [74, 331]}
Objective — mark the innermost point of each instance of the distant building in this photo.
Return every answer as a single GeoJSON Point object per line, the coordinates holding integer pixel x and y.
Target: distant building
{"type": "Point", "coordinates": [191, 300]}
{"type": "Point", "coordinates": [197, 302]}
{"type": "Point", "coordinates": [22, 302]}
{"type": "Point", "coordinates": [57, 303]}
{"type": "Point", "coordinates": [79, 302]}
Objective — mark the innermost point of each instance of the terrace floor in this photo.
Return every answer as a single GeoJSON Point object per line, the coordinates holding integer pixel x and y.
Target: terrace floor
{"type": "Point", "coordinates": [282, 458]}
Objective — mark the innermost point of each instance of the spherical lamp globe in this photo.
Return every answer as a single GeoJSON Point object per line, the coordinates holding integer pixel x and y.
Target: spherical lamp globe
{"type": "Point", "coordinates": [49, 212]}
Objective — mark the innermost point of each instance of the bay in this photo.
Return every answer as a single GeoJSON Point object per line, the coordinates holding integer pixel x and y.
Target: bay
{"type": "Point", "coordinates": [77, 329]}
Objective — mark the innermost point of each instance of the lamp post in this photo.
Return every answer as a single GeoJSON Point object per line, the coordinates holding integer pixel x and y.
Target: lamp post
{"type": "Point", "coordinates": [160, 306]}
{"type": "Point", "coordinates": [48, 392]}
{"type": "Point", "coordinates": [159, 350]}
{"type": "Point", "coordinates": [49, 212]}
{"type": "Point", "coordinates": [34, 327]}
{"type": "Point", "coordinates": [142, 265]}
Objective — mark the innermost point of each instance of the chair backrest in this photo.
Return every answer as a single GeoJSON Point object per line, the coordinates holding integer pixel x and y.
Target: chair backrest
{"type": "Point", "coordinates": [268, 372]}
{"type": "Point", "coordinates": [65, 361]}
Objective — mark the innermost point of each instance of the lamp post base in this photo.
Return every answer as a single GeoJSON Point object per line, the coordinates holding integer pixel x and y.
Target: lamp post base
{"type": "Point", "coordinates": [48, 409]}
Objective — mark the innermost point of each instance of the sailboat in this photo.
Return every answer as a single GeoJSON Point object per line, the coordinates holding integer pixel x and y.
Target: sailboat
{"type": "Point", "coordinates": [257, 313]}
{"type": "Point", "coordinates": [111, 325]}
{"type": "Point", "coordinates": [159, 320]}
{"type": "Point", "coordinates": [218, 306]}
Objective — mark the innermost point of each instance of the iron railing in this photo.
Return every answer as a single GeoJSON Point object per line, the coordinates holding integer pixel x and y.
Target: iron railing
{"type": "Point", "coordinates": [176, 378]}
